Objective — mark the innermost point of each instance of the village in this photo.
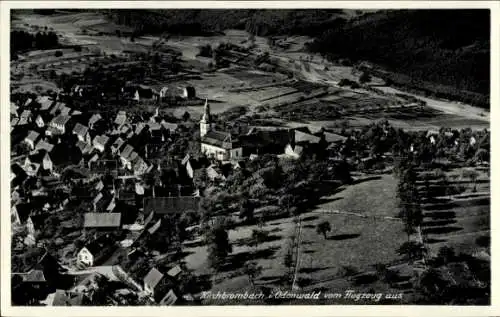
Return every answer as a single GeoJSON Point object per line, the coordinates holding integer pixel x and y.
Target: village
{"type": "Point", "coordinates": [166, 169]}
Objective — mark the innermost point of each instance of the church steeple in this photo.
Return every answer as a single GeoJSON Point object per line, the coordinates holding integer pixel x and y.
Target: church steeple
{"type": "Point", "coordinates": [206, 120]}
{"type": "Point", "coordinates": [206, 112]}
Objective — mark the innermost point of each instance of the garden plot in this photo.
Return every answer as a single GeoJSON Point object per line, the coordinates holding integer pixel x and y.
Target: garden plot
{"type": "Point", "coordinates": [269, 93]}
{"type": "Point", "coordinates": [457, 219]}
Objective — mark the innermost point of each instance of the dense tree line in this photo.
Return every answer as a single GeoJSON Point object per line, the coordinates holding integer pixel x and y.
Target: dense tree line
{"type": "Point", "coordinates": [22, 40]}
{"type": "Point", "coordinates": [200, 22]}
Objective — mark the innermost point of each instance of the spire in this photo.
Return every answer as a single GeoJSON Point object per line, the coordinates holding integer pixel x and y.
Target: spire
{"type": "Point", "coordinates": [206, 114]}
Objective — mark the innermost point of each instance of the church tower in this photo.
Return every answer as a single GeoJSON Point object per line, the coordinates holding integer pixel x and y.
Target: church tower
{"type": "Point", "coordinates": [206, 120]}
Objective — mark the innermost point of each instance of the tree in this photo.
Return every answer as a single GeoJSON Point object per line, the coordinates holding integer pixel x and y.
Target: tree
{"type": "Point", "coordinates": [323, 228]}
{"type": "Point", "coordinates": [472, 175]}
{"type": "Point", "coordinates": [252, 270]}
{"type": "Point", "coordinates": [413, 250]}
{"type": "Point", "coordinates": [445, 255]}
{"type": "Point", "coordinates": [219, 246]}
{"type": "Point", "coordinates": [258, 237]}
{"type": "Point", "coordinates": [364, 78]}
{"type": "Point", "coordinates": [59, 53]}
{"type": "Point", "coordinates": [246, 210]}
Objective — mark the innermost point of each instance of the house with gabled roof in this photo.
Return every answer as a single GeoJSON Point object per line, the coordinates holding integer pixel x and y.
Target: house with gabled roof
{"type": "Point", "coordinates": [121, 119]}
{"type": "Point", "coordinates": [125, 155]}
{"type": "Point", "coordinates": [151, 280]}
{"type": "Point", "coordinates": [140, 166]}
{"type": "Point", "coordinates": [39, 121]}
{"type": "Point", "coordinates": [102, 220]}
{"type": "Point", "coordinates": [68, 298]}
{"type": "Point", "coordinates": [20, 212]}
{"type": "Point", "coordinates": [101, 201]}
{"type": "Point", "coordinates": [96, 117]}
{"type": "Point", "coordinates": [35, 223]}
{"type": "Point", "coordinates": [117, 145]}
{"type": "Point", "coordinates": [100, 142]}
{"type": "Point", "coordinates": [294, 151]}
{"type": "Point", "coordinates": [168, 205]}
{"type": "Point", "coordinates": [34, 162]}
{"type": "Point", "coordinates": [59, 123]}
{"type": "Point", "coordinates": [334, 138]}
{"type": "Point", "coordinates": [60, 108]}
{"type": "Point", "coordinates": [45, 102]}
{"type": "Point", "coordinates": [81, 132]}
{"type": "Point", "coordinates": [31, 139]}
{"type": "Point", "coordinates": [95, 251]}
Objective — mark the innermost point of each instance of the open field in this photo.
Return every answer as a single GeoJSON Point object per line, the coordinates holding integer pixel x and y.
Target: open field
{"type": "Point", "coordinates": [269, 255]}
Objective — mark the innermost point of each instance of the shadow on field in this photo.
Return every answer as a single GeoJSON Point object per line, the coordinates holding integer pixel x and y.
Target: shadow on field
{"type": "Point", "coordinates": [236, 261]}
{"type": "Point", "coordinates": [444, 222]}
{"type": "Point", "coordinates": [328, 200]}
{"type": "Point", "coordinates": [434, 240]}
{"type": "Point", "coordinates": [366, 179]}
{"type": "Point", "coordinates": [309, 226]}
{"type": "Point", "coordinates": [312, 269]}
{"type": "Point", "coordinates": [346, 236]}
{"type": "Point", "coordinates": [194, 244]}
{"type": "Point", "coordinates": [308, 251]}
{"type": "Point", "coordinates": [441, 215]}
{"type": "Point", "coordinates": [309, 218]}
{"type": "Point", "coordinates": [445, 206]}
{"type": "Point", "coordinates": [247, 241]}
{"type": "Point", "coordinates": [441, 230]}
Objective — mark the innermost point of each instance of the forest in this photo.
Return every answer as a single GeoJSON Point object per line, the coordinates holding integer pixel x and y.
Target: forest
{"type": "Point", "coordinates": [445, 53]}
{"type": "Point", "coordinates": [22, 41]}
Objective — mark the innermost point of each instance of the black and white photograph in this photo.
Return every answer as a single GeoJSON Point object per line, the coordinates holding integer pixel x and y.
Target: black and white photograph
{"type": "Point", "coordinates": [248, 156]}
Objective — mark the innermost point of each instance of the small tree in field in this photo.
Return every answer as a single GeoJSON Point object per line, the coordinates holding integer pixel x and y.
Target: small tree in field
{"type": "Point", "coordinates": [323, 228]}
{"type": "Point", "coordinates": [364, 78]}
{"type": "Point", "coordinates": [472, 175]}
{"type": "Point", "coordinates": [252, 270]}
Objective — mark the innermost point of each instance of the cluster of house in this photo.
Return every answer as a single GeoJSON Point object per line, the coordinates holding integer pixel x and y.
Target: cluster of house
{"type": "Point", "coordinates": [56, 135]}
{"type": "Point", "coordinates": [45, 282]}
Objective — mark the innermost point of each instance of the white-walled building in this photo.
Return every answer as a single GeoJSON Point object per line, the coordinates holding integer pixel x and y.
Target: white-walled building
{"type": "Point", "coordinates": [216, 144]}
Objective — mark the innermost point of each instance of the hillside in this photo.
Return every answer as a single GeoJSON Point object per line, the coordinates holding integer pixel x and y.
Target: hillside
{"type": "Point", "coordinates": [444, 52]}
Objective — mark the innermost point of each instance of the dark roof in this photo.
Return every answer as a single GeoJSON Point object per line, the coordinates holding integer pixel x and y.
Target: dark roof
{"type": "Point", "coordinates": [332, 137]}
{"type": "Point", "coordinates": [165, 205]}
{"type": "Point", "coordinates": [37, 157]}
{"type": "Point", "coordinates": [99, 220]}
{"type": "Point", "coordinates": [65, 298]}
{"type": "Point", "coordinates": [220, 139]}
{"type": "Point", "coordinates": [24, 211]}
{"type": "Point", "coordinates": [153, 278]}
{"type": "Point", "coordinates": [38, 221]}
{"type": "Point", "coordinates": [34, 276]}
{"type": "Point", "coordinates": [145, 92]}
{"type": "Point", "coordinates": [80, 129]}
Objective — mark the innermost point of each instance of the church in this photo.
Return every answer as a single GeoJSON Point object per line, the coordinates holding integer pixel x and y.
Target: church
{"type": "Point", "coordinates": [217, 144]}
